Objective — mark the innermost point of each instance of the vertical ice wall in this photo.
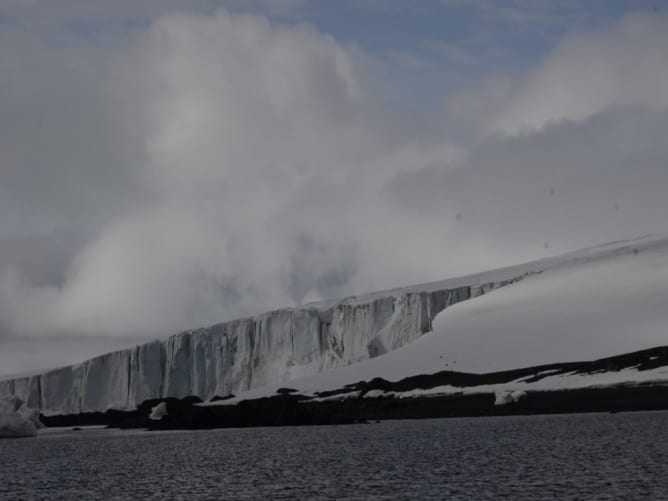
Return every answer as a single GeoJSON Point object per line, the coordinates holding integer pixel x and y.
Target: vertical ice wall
{"type": "Point", "coordinates": [242, 354]}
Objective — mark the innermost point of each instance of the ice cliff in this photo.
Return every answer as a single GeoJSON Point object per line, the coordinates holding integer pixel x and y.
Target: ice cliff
{"type": "Point", "coordinates": [235, 356]}
{"type": "Point", "coordinates": [278, 346]}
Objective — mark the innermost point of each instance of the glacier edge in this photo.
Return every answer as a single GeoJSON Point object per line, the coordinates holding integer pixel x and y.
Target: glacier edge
{"type": "Point", "coordinates": [242, 354]}
{"type": "Point", "coordinates": [280, 345]}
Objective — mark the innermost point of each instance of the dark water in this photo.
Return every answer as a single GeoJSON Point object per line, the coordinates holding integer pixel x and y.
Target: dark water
{"type": "Point", "coordinates": [621, 456]}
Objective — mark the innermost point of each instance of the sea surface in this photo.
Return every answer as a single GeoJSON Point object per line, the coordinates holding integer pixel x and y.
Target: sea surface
{"type": "Point", "coordinates": [588, 457]}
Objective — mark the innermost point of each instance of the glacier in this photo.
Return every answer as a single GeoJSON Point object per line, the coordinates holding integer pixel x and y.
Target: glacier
{"type": "Point", "coordinates": [243, 354]}
{"type": "Point", "coordinates": [590, 305]}
{"type": "Point", "coordinates": [277, 346]}
{"type": "Point", "coordinates": [239, 355]}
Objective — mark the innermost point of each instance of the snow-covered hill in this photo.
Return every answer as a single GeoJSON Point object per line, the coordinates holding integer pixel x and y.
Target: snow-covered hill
{"type": "Point", "coordinates": [595, 302]}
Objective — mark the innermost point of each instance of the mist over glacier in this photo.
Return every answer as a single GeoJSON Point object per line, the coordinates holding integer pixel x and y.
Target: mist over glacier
{"type": "Point", "coordinates": [205, 166]}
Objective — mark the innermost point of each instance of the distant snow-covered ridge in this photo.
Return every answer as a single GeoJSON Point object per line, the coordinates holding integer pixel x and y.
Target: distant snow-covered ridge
{"type": "Point", "coordinates": [281, 345]}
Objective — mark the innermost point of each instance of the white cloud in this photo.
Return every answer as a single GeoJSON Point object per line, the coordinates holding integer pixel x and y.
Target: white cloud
{"type": "Point", "coordinates": [589, 73]}
{"type": "Point", "coordinates": [259, 184]}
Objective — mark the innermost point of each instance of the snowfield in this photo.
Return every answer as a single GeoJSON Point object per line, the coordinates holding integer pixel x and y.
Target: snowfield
{"type": "Point", "coordinates": [587, 312]}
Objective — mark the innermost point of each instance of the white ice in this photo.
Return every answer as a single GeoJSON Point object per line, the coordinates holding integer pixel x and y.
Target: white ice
{"type": "Point", "coordinates": [505, 397]}
{"type": "Point", "coordinates": [17, 420]}
{"type": "Point", "coordinates": [158, 412]}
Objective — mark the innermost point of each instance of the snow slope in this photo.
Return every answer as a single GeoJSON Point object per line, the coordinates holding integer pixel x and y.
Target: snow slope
{"type": "Point", "coordinates": [600, 302]}
{"type": "Point", "coordinates": [597, 311]}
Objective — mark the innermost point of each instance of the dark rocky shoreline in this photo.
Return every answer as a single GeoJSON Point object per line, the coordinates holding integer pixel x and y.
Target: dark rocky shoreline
{"type": "Point", "coordinates": [288, 408]}
{"type": "Point", "coordinates": [293, 410]}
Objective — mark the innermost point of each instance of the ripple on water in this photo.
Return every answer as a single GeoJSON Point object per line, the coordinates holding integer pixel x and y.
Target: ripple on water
{"type": "Point", "coordinates": [594, 456]}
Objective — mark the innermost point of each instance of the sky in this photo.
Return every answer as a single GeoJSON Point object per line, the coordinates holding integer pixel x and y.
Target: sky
{"type": "Point", "coordinates": [166, 165]}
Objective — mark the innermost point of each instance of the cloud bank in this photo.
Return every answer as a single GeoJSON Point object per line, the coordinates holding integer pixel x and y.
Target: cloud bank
{"type": "Point", "coordinates": [253, 171]}
{"type": "Point", "coordinates": [208, 166]}
{"type": "Point", "coordinates": [590, 73]}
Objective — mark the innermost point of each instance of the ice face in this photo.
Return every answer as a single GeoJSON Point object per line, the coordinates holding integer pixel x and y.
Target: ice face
{"type": "Point", "coordinates": [16, 419]}
{"type": "Point", "coordinates": [505, 397]}
{"type": "Point", "coordinates": [242, 354]}
{"type": "Point", "coordinates": [158, 412]}
{"type": "Point", "coordinates": [277, 346]}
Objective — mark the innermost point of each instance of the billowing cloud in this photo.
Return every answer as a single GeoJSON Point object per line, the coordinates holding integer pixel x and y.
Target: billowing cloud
{"type": "Point", "coordinates": [569, 155]}
{"type": "Point", "coordinates": [590, 72]}
{"type": "Point", "coordinates": [257, 184]}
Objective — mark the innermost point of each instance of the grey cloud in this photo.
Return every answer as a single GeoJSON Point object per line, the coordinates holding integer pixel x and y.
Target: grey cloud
{"type": "Point", "coordinates": [229, 118]}
{"type": "Point", "coordinates": [569, 185]}
{"type": "Point", "coordinates": [590, 72]}
{"type": "Point", "coordinates": [318, 269]}
{"type": "Point", "coordinates": [67, 157]}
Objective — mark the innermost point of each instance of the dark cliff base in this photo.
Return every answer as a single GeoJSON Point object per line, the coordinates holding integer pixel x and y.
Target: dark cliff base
{"type": "Point", "coordinates": [292, 410]}
{"type": "Point", "coordinates": [289, 409]}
